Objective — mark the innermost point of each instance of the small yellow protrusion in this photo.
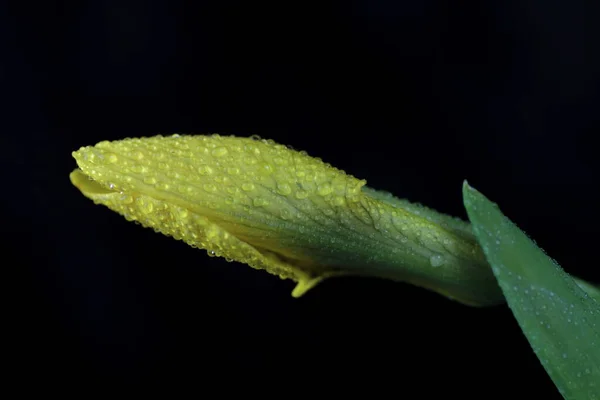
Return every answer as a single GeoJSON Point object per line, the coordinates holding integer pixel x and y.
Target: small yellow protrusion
{"type": "Point", "coordinates": [305, 284]}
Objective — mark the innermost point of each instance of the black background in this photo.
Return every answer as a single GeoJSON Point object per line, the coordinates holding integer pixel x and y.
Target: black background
{"type": "Point", "coordinates": [414, 97]}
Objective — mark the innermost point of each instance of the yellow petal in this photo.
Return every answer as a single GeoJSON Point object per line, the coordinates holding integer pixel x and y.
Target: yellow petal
{"type": "Point", "coordinates": [277, 209]}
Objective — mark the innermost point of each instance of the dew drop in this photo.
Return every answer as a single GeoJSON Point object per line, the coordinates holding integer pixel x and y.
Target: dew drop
{"type": "Point", "coordinates": [436, 260]}
{"type": "Point", "coordinates": [145, 206]}
{"type": "Point", "coordinates": [301, 194]}
{"type": "Point", "coordinates": [285, 214]}
{"type": "Point", "coordinates": [324, 189]}
{"type": "Point", "coordinates": [284, 189]}
{"type": "Point", "coordinates": [126, 199]}
{"type": "Point", "coordinates": [338, 201]}
{"type": "Point", "coordinates": [220, 152]}
{"type": "Point", "coordinates": [205, 170]}
{"type": "Point", "coordinates": [112, 158]}
{"type": "Point", "coordinates": [260, 202]}
{"type": "Point", "coordinates": [149, 180]}
{"type": "Point", "coordinates": [233, 170]}
{"type": "Point", "coordinates": [266, 168]}
{"type": "Point", "coordinates": [247, 187]}
{"type": "Point", "coordinates": [209, 187]}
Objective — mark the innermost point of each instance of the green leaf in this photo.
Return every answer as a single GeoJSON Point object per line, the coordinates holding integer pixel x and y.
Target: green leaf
{"type": "Point", "coordinates": [558, 317]}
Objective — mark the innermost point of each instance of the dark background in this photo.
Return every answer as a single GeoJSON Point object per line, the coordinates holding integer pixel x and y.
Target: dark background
{"type": "Point", "coordinates": [412, 96]}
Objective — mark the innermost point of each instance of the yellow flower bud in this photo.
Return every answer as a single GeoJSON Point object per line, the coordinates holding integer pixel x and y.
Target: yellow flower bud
{"type": "Point", "coordinates": [277, 209]}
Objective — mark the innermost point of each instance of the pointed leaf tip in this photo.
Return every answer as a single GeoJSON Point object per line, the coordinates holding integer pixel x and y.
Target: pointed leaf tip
{"type": "Point", "coordinates": [560, 321]}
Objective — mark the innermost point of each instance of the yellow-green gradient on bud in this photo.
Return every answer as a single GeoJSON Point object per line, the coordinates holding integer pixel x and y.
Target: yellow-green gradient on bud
{"type": "Point", "coordinates": [281, 210]}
